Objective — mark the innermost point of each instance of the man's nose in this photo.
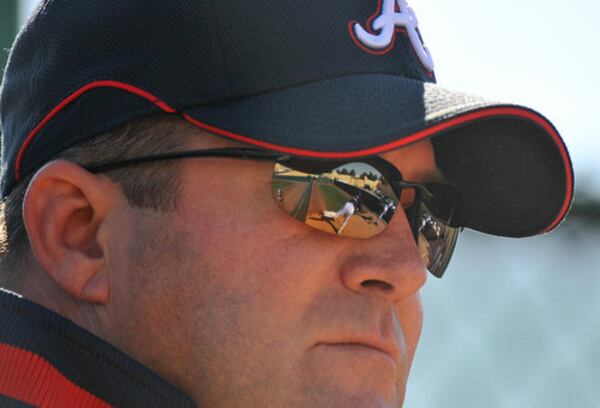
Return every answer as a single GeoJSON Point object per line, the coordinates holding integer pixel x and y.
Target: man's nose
{"type": "Point", "coordinates": [387, 265]}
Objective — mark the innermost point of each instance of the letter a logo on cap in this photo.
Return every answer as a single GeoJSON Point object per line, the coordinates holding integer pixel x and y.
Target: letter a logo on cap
{"type": "Point", "coordinates": [379, 37]}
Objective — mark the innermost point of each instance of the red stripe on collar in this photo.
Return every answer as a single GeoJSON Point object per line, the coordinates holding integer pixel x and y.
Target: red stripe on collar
{"type": "Point", "coordinates": [27, 377]}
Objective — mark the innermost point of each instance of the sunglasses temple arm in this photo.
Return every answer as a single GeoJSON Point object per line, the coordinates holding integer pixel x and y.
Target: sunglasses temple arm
{"type": "Point", "coordinates": [233, 153]}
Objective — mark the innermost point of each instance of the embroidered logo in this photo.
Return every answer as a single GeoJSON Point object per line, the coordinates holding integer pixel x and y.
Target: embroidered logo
{"type": "Point", "coordinates": [380, 36]}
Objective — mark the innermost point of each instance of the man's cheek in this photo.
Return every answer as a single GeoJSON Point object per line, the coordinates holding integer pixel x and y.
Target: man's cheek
{"type": "Point", "coordinates": [411, 319]}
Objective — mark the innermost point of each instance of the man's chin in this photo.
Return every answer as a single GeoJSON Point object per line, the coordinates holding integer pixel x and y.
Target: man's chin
{"type": "Point", "coordinates": [322, 396]}
{"type": "Point", "coordinates": [352, 376]}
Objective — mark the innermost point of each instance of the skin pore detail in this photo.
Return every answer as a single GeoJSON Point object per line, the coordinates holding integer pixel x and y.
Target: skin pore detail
{"type": "Point", "coordinates": [249, 279]}
{"type": "Point", "coordinates": [189, 224]}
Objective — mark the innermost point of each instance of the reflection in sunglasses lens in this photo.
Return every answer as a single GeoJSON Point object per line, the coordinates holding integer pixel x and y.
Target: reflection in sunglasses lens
{"type": "Point", "coordinates": [356, 200]}
{"type": "Point", "coordinates": [436, 241]}
{"type": "Point", "coordinates": [353, 199]}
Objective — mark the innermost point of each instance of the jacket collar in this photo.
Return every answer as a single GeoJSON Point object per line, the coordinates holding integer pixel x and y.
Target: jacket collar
{"type": "Point", "coordinates": [51, 359]}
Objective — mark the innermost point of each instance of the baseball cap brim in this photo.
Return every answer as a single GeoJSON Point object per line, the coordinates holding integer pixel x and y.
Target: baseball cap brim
{"type": "Point", "coordinates": [508, 163]}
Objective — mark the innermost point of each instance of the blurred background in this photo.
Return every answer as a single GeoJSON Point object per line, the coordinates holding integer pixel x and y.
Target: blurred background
{"type": "Point", "coordinates": [514, 322]}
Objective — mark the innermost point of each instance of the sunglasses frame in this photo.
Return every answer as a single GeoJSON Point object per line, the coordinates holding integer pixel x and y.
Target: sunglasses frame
{"type": "Point", "coordinates": [423, 192]}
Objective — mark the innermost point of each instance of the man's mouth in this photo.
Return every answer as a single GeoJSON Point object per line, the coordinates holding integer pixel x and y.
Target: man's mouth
{"type": "Point", "coordinates": [386, 347]}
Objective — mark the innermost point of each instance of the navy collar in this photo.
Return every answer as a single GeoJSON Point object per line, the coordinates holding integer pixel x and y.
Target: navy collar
{"type": "Point", "coordinates": [51, 359]}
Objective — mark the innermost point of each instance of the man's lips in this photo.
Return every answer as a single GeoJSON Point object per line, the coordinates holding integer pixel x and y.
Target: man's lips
{"type": "Point", "coordinates": [388, 347]}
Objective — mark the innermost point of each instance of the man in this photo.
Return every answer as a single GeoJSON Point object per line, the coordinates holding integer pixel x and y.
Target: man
{"type": "Point", "coordinates": [149, 150]}
{"type": "Point", "coordinates": [347, 211]}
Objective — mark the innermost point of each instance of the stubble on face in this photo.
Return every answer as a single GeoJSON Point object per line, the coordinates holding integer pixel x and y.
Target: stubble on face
{"type": "Point", "coordinates": [234, 299]}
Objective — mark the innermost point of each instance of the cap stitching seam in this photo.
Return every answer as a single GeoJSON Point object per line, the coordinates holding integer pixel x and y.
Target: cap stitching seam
{"type": "Point", "coordinates": [220, 48]}
{"type": "Point", "coordinates": [19, 165]}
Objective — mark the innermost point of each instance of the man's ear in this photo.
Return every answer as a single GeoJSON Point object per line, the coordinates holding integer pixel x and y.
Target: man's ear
{"type": "Point", "coordinates": [64, 209]}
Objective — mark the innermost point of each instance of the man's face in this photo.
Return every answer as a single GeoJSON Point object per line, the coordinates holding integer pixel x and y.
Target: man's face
{"type": "Point", "coordinates": [241, 305]}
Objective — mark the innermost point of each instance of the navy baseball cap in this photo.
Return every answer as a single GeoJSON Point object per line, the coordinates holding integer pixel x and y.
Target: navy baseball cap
{"type": "Point", "coordinates": [322, 79]}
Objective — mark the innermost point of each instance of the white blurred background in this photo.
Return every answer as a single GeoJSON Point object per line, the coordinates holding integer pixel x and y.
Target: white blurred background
{"type": "Point", "coordinates": [514, 322]}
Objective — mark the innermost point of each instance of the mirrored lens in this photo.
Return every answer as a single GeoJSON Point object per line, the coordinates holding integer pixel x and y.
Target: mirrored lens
{"type": "Point", "coordinates": [436, 240]}
{"type": "Point", "coordinates": [353, 199]}
{"type": "Point", "coordinates": [356, 200]}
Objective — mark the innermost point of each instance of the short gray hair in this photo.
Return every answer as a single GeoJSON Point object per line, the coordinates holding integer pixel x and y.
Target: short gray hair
{"type": "Point", "coordinates": [154, 185]}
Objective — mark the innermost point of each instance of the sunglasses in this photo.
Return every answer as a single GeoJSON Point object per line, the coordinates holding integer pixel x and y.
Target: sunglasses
{"type": "Point", "coordinates": [351, 198]}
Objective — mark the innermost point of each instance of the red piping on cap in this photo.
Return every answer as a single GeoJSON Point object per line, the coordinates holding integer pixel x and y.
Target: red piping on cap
{"type": "Point", "coordinates": [71, 98]}
{"type": "Point", "coordinates": [421, 135]}
{"type": "Point", "coordinates": [27, 377]}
